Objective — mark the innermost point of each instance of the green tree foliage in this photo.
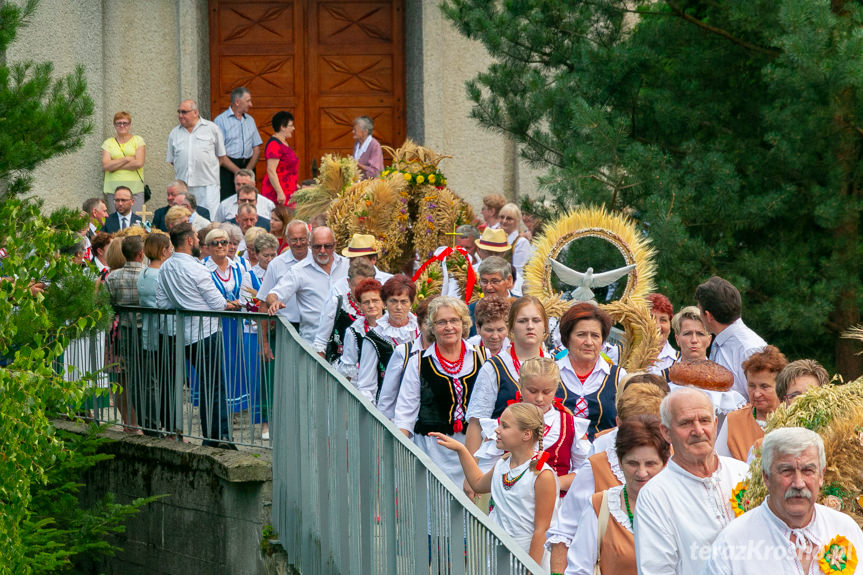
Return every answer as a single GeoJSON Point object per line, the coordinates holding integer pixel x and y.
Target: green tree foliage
{"type": "Point", "coordinates": [730, 130]}
{"type": "Point", "coordinates": [45, 300]}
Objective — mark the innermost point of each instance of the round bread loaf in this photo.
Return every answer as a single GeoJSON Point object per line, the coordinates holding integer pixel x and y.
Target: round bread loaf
{"type": "Point", "coordinates": [704, 374]}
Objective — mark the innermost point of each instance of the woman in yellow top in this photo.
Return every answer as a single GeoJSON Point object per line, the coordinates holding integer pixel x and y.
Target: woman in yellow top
{"type": "Point", "coordinates": [123, 162]}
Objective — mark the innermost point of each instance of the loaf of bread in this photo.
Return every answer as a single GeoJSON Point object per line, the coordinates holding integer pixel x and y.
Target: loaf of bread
{"type": "Point", "coordinates": [703, 374]}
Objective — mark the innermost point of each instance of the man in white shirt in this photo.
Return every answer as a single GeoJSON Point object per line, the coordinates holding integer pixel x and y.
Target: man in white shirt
{"type": "Point", "coordinates": [229, 206]}
{"type": "Point", "coordinates": [184, 283]}
{"type": "Point", "coordinates": [685, 506]}
{"type": "Point", "coordinates": [195, 149]}
{"type": "Point", "coordinates": [311, 281]}
{"type": "Point", "coordinates": [297, 234]}
{"type": "Point", "coordinates": [788, 532]}
{"type": "Point", "coordinates": [733, 342]}
{"type": "Point", "coordinates": [188, 201]}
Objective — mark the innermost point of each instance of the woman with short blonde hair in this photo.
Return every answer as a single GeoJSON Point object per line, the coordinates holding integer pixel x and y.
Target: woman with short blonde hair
{"type": "Point", "coordinates": [437, 384]}
{"type": "Point", "coordinates": [123, 159]}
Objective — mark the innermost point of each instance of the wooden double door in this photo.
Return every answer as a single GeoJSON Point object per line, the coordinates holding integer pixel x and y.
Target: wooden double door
{"type": "Point", "coordinates": [326, 62]}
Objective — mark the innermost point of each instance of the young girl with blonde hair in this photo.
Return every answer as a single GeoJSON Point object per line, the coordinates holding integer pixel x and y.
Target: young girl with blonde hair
{"type": "Point", "coordinates": [522, 485]}
{"type": "Point", "coordinates": [564, 437]}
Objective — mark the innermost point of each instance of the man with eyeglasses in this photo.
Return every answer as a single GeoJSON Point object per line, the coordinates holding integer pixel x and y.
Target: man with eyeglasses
{"type": "Point", "coordinates": [248, 216]}
{"type": "Point", "coordinates": [495, 278]}
{"type": "Point", "coordinates": [244, 183]}
{"type": "Point", "coordinates": [195, 149]}
{"type": "Point", "coordinates": [297, 234]}
{"type": "Point", "coordinates": [123, 217]}
{"type": "Point", "coordinates": [311, 281]}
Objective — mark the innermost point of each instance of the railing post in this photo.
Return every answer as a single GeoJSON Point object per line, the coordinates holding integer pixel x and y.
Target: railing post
{"type": "Point", "coordinates": [180, 373]}
{"type": "Point", "coordinates": [369, 490]}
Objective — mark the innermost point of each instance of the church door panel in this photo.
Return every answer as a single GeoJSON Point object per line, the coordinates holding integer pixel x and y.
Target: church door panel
{"type": "Point", "coordinates": [326, 62]}
{"type": "Point", "coordinates": [259, 45]}
{"type": "Point", "coordinates": [356, 67]}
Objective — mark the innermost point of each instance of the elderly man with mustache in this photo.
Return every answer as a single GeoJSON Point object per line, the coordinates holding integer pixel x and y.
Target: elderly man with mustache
{"type": "Point", "coordinates": [789, 532]}
{"type": "Point", "coordinates": [685, 506]}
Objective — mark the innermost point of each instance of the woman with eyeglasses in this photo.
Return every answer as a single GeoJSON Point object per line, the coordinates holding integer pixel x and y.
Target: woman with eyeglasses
{"type": "Point", "coordinates": [123, 162]}
{"type": "Point", "coordinates": [437, 384]}
{"type": "Point", "coordinates": [234, 283]}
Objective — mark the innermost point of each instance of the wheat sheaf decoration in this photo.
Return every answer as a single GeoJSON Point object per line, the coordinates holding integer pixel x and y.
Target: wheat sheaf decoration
{"type": "Point", "coordinates": [336, 175]}
{"type": "Point", "coordinates": [835, 412]}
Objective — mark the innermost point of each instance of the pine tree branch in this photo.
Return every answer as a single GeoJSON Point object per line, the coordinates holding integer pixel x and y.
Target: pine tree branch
{"type": "Point", "coordinates": [720, 32]}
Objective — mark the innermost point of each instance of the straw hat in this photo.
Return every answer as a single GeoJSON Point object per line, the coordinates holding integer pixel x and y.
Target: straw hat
{"type": "Point", "coordinates": [493, 240]}
{"type": "Point", "coordinates": [361, 245]}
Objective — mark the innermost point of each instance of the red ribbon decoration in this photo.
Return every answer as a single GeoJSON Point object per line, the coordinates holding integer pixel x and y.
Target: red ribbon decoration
{"type": "Point", "coordinates": [516, 400]}
{"type": "Point", "coordinates": [541, 459]}
{"type": "Point", "coordinates": [471, 276]}
{"type": "Point", "coordinates": [558, 404]}
{"type": "Point", "coordinates": [458, 426]}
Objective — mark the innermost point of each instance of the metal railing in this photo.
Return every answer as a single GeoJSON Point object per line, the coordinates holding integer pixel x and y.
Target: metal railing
{"type": "Point", "coordinates": [351, 494]}
{"type": "Point", "coordinates": [177, 373]}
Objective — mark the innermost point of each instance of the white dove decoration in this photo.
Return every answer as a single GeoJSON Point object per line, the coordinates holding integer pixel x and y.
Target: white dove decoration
{"type": "Point", "coordinates": [583, 282]}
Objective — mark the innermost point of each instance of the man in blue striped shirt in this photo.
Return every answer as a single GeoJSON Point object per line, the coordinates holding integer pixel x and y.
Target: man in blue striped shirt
{"type": "Point", "coordinates": [242, 140]}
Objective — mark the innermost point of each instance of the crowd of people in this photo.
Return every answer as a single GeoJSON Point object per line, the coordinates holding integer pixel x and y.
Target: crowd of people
{"type": "Point", "coordinates": [589, 468]}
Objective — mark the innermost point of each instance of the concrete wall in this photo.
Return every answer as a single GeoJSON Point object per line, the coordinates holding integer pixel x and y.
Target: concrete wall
{"type": "Point", "coordinates": [483, 162]}
{"type": "Point", "coordinates": [141, 56]}
{"type": "Point", "coordinates": [211, 520]}
{"type": "Point", "coordinates": [144, 56]}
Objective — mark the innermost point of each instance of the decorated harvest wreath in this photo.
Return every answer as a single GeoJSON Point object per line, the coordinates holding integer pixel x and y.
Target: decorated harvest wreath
{"type": "Point", "coordinates": [408, 208]}
{"type": "Point", "coordinates": [642, 340]}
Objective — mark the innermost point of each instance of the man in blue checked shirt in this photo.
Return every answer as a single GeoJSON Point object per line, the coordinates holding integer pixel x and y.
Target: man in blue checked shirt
{"type": "Point", "coordinates": [242, 140]}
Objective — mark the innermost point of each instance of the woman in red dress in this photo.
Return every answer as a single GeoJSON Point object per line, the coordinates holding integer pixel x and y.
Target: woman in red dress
{"type": "Point", "coordinates": [280, 181]}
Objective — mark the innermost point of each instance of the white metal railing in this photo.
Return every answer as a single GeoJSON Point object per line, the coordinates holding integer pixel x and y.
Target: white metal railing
{"type": "Point", "coordinates": [146, 374]}
{"type": "Point", "coordinates": [351, 494]}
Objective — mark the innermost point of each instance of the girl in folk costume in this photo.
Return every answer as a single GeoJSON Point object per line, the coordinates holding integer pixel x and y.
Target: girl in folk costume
{"type": "Point", "coordinates": [491, 314]}
{"type": "Point", "coordinates": [368, 296]}
{"type": "Point", "coordinates": [396, 327]}
{"type": "Point", "coordinates": [604, 541]}
{"type": "Point", "coordinates": [437, 384]}
{"type": "Point", "coordinates": [742, 428]}
{"type": "Point", "coordinates": [564, 437]}
{"type": "Point", "coordinates": [522, 485]}
{"type": "Point", "coordinates": [402, 354]}
{"type": "Point", "coordinates": [498, 380]}
{"type": "Point", "coordinates": [602, 470]}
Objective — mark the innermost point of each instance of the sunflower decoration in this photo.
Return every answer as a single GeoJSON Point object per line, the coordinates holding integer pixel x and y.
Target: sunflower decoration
{"type": "Point", "coordinates": [738, 499]}
{"type": "Point", "coordinates": [838, 556]}
{"type": "Point", "coordinates": [415, 164]}
{"type": "Point", "coordinates": [835, 412]}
